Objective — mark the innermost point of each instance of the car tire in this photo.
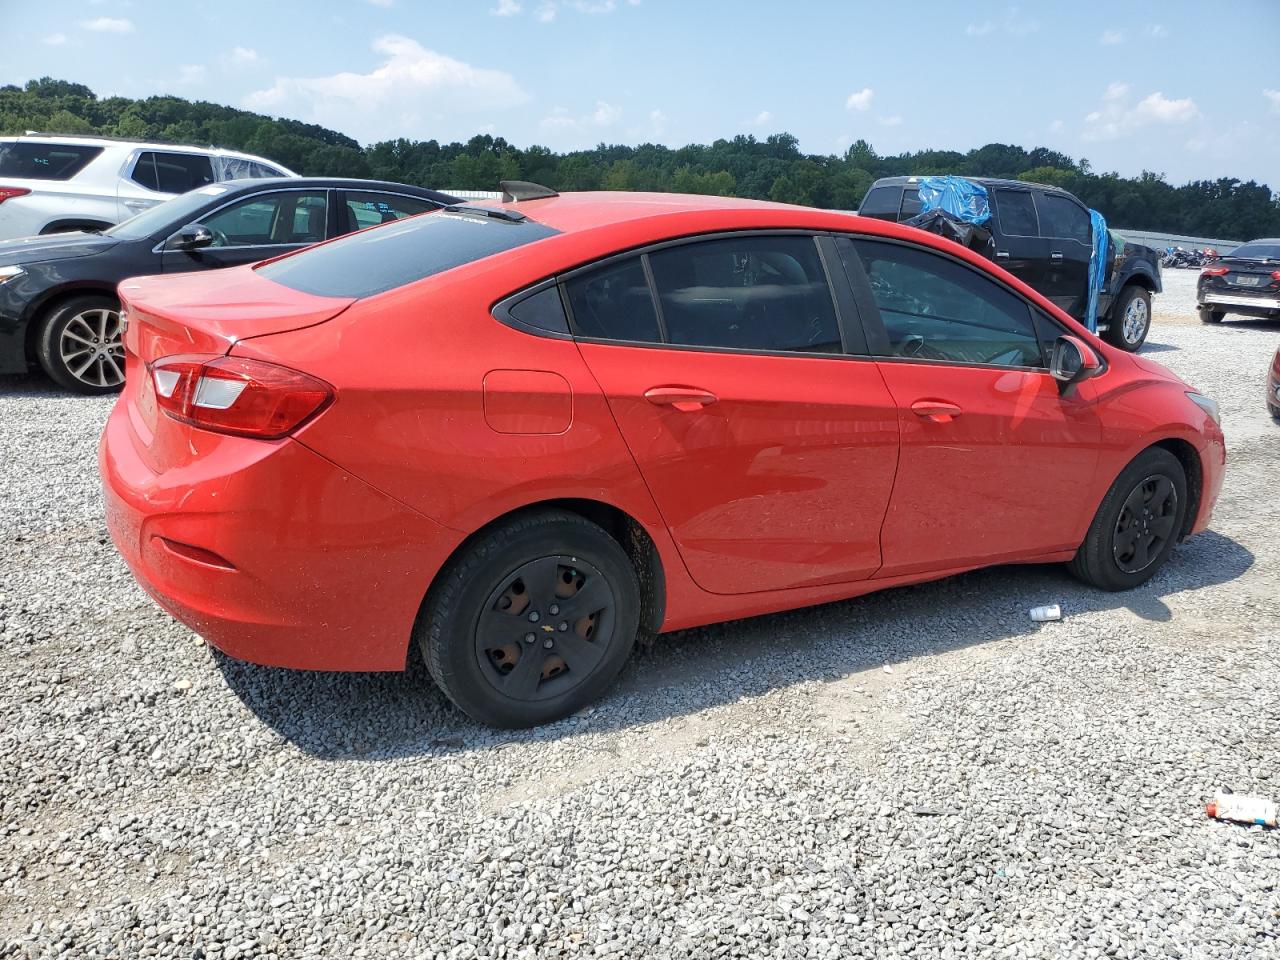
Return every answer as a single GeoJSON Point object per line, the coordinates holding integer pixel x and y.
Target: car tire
{"type": "Point", "coordinates": [1137, 525]}
{"type": "Point", "coordinates": [80, 344]}
{"type": "Point", "coordinates": [504, 633]}
{"type": "Point", "coordinates": [1130, 319]}
{"type": "Point", "coordinates": [1210, 316]}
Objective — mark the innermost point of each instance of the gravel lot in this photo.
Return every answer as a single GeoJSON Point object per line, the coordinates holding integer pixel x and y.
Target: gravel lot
{"type": "Point", "coordinates": [924, 772]}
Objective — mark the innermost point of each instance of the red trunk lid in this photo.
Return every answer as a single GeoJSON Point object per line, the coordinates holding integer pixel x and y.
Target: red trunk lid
{"type": "Point", "coordinates": [210, 311]}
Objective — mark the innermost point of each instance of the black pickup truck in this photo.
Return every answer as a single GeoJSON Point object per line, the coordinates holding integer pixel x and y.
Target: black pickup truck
{"type": "Point", "coordinates": [1043, 236]}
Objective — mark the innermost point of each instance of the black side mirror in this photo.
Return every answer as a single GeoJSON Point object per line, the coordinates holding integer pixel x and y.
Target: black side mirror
{"type": "Point", "coordinates": [1073, 360]}
{"type": "Point", "coordinates": [191, 237]}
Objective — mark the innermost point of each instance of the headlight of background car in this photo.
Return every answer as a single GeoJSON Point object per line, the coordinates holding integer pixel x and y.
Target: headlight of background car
{"type": "Point", "coordinates": [8, 273]}
{"type": "Point", "coordinates": [1208, 406]}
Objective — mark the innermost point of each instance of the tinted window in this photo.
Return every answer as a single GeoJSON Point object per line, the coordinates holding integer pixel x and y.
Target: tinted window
{"type": "Point", "coordinates": [614, 303]}
{"type": "Point", "coordinates": [881, 202]}
{"type": "Point", "coordinates": [166, 217]}
{"type": "Point", "coordinates": [362, 264]}
{"type": "Point", "coordinates": [242, 168]}
{"type": "Point", "coordinates": [44, 161]}
{"type": "Point", "coordinates": [273, 218]}
{"type": "Point", "coordinates": [543, 310]}
{"type": "Point", "coordinates": [747, 293]}
{"type": "Point", "coordinates": [911, 204]}
{"type": "Point", "coordinates": [1017, 213]}
{"type": "Point", "coordinates": [172, 172]}
{"type": "Point", "coordinates": [934, 308]}
{"type": "Point", "coordinates": [1257, 250]}
{"type": "Point", "coordinates": [370, 209]}
{"type": "Point", "coordinates": [1060, 217]}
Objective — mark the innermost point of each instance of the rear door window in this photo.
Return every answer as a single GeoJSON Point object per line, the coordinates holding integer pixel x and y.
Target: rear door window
{"type": "Point", "coordinates": [1017, 213]}
{"type": "Point", "coordinates": [882, 202]}
{"type": "Point", "coordinates": [44, 161]}
{"type": "Point", "coordinates": [368, 209]}
{"type": "Point", "coordinates": [172, 172]}
{"type": "Point", "coordinates": [363, 264]}
{"type": "Point", "coordinates": [747, 293]}
{"type": "Point", "coordinates": [1061, 218]}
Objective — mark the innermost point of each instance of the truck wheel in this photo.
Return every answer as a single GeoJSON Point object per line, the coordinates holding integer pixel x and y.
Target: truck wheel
{"type": "Point", "coordinates": [1130, 319]}
{"type": "Point", "coordinates": [1211, 316]}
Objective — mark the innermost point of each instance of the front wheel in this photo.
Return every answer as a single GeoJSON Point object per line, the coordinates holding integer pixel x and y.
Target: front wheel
{"type": "Point", "coordinates": [81, 346]}
{"type": "Point", "coordinates": [532, 621]}
{"type": "Point", "coordinates": [1137, 524]}
{"type": "Point", "coordinates": [1130, 319]}
{"type": "Point", "coordinates": [1210, 316]}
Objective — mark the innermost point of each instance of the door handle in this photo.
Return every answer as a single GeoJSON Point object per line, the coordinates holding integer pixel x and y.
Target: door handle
{"type": "Point", "coordinates": [1055, 255]}
{"type": "Point", "coordinates": [684, 399]}
{"type": "Point", "coordinates": [1002, 254]}
{"type": "Point", "coordinates": [935, 411]}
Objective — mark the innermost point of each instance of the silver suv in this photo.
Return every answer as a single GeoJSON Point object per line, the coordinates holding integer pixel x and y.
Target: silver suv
{"type": "Point", "coordinates": [51, 184]}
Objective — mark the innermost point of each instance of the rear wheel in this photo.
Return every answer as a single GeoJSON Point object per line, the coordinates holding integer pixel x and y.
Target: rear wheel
{"type": "Point", "coordinates": [1137, 524]}
{"type": "Point", "coordinates": [532, 621]}
{"type": "Point", "coordinates": [80, 344]}
{"type": "Point", "coordinates": [1130, 318]}
{"type": "Point", "coordinates": [1211, 316]}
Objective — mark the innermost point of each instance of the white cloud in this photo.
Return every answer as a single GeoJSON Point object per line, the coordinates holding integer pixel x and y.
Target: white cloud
{"type": "Point", "coordinates": [244, 55]}
{"type": "Point", "coordinates": [1118, 116]}
{"type": "Point", "coordinates": [1011, 23]}
{"type": "Point", "coordinates": [192, 73]}
{"type": "Point", "coordinates": [1111, 38]}
{"type": "Point", "coordinates": [546, 12]}
{"type": "Point", "coordinates": [506, 8]}
{"type": "Point", "coordinates": [56, 39]}
{"type": "Point", "coordinates": [410, 81]}
{"type": "Point", "coordinates": [860, 100]}
{"type": "Point", "coordinates": [653, 128]}
{"type": "Point", "coordinates": [980, 29]}
{"type": "Point", "coordinates": [1274, 97]}
{"type": "Point", "coordinates": [604, 115]}
{"type": "Point", "coordinates": [894, 121]}
{"type": "Point", "coordinates": [381, 3]}
{"type": "Point", "coordinates": [1156, 30]}
{"type": "Point", "coordinates": [763, 117]}
{"type": "Point", "coordinates": [1057, 126]}
{"type": "Point", "coordinates": [108, 25]}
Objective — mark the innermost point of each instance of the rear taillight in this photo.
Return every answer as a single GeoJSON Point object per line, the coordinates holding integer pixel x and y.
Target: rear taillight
{"type": "Point", "coordinates": [1275, 274]}
{"type": "Point", "coordinates": [248, 398]}
{"type": "Point", "coordinates": [1214, 271]}
{"type": "Point", "coordinates": [8, 193]}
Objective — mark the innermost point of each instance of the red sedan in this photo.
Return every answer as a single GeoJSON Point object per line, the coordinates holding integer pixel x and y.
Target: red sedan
{"type": "Point", "coordinates": [517, 433]}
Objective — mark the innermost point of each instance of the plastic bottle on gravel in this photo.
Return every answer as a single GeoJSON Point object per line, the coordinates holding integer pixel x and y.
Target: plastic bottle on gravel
{"type": "Point", "coordinates": [1242, 808]}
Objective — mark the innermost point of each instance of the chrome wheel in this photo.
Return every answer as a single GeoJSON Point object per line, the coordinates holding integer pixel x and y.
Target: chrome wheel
{"type": "Point", "coordinates": [1145, 524]}
{"type": "Point", "coordinates": [1134, 325]}
{"type": "Point", "coordinates": [545, 628]}
{"type": "Point", "coordinates": [91, 347]}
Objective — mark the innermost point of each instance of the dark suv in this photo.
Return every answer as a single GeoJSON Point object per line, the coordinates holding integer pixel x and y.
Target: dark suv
{"type": "Point", "coordinates": [1043, 236]}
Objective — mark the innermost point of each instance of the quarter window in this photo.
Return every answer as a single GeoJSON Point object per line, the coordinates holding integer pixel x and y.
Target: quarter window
{"type": "Point", "coordinates": [1062, 219]}
{"type": "Point", "coordinates": [287, 217]}
{"type": "Point", "coordinates": [172, 172]}
{"type": "Point", "coordinates": [934, 308]}
{"type": "Point", "coordinates": [747, 293]}
{"type": "Point", "coordinates": [614, 303]}
{"type": "Point", "coordinates": [1017, 212]}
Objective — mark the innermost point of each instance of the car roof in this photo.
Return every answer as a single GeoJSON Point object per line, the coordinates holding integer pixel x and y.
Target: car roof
{"type": "Point", "coordinates": [985, 181]}
{"type": "Point", "coordinates": [336, 183]}
{"type": "Point", "coordinates": [81, 139]}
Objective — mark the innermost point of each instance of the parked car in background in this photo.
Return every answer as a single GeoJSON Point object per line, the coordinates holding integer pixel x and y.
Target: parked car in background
{"type": "Point", "coordinates": [1246, 281]}
{"type": "Point", "coordinates": [51, 184]}
{"type": "Point", "coordinates": [1273, 386]}
{"type": "Point", "coordinates": [58, 305]}
{"type": "Point", "coordinates": [1043, 236]}
{"type": "Point", "coordinates": [519, 431]}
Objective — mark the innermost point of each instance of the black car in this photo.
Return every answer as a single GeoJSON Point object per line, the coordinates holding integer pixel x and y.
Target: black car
{"type": "Point", "coordinates": [1043, 236]}
{"type": "Point", "coordinates": [1245, 281]}
{"type": "Point", "coordinates": [58, 305]}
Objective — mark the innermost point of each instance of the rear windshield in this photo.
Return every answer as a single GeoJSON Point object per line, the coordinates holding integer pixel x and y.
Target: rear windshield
{"type": "Point", "coordinates": [1257, 251]}
{"type": "Point", "coordinates": [44, 161]}
{"type": "Point", "coordinates": [383, 258]}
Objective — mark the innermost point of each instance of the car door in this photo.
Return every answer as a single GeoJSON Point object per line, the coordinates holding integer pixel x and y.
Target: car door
{"type": "Point", "coordinates": [254, 228]}
{"type": "Point", "coordinates": [1019, 246]}
{"type": "Point", "coordinates": [769, 451]}
{"type": "Point", "coordinates": [1065, 225]}
{"type": "Point", "coordinates": [994, 456]}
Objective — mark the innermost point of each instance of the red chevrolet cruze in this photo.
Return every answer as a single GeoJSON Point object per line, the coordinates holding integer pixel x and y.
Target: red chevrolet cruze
{"type": "Point", "coordinates": [517, 433]}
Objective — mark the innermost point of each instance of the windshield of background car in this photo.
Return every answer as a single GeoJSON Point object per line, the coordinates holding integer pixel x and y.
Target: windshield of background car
{"type": "Point", "coordinates": [44, 161]}
{"type": "Point", "coordinates": [1257, 251]}
{"type": "Point", "coordinates": [165, 218]}
{"type": "Point", "coordinates": [383, 258]}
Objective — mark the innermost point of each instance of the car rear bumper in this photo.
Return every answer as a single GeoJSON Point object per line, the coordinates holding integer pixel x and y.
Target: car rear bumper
{"type": "Point", "coordinates": [1241, 303]}
{"type": "Point", "coordinates": [272, 553]}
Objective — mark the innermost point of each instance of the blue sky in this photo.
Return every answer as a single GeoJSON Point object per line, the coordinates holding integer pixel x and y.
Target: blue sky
{"type": "Point", "coordinates": [1129, 85]}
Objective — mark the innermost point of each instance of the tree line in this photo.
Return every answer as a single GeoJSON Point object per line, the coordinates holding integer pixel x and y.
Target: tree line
{"type": "Point", "coordinates": [773, 168]}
